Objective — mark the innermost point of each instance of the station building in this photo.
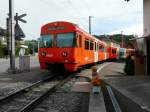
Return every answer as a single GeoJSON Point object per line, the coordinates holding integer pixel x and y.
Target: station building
{"type": "Point", "coordinates": [142, 59]}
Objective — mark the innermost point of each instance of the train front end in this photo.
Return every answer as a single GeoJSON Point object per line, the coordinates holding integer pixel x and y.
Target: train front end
{"type": "Point", "coordinates": [57, 46]}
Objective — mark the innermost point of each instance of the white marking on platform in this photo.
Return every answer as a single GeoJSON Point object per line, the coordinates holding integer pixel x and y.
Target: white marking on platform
{"type": "Point", "coordinates": [113, 99]}
{"type": "Point", "coordinates": [103, 66]}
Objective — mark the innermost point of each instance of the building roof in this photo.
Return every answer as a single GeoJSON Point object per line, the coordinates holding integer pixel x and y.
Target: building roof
{"type": "Point", "coordinates": [23, 46]}
{"type": "Point", "coordinates": [148, 36]}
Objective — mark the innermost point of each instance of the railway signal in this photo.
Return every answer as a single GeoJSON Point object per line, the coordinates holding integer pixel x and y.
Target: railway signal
{"type": "Point", "coordinates": [19, 18]}
{"type": "Point", "coordinates": [18, 31]}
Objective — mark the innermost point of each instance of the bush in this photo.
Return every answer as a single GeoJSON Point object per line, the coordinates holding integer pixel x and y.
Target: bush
{"type": "Point", "coordinates": [27, 52]}
{"type": "Point", "coordinates": [129, 66]}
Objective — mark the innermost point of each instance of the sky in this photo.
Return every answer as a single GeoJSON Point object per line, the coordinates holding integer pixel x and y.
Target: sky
{"type": "Point", "coordinates": [108, 16]}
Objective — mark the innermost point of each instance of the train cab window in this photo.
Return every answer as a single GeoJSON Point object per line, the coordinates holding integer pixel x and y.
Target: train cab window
{"type": "Point", "coordinates": [47, 41]}
{"type": "Point", "coordinates": [91, 45]}
{"type": "Point", "coordinates": [66, 40]}
{"type": "Point", "coordinates": [86, 44]}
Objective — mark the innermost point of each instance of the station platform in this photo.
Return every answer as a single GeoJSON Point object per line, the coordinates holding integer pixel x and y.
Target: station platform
{"type": "Point", "coordinates": [136, 88]}
{"type": "Point", "coordinates": [96, 100]}
{"type": "Point", "coordinates": [96, 103]}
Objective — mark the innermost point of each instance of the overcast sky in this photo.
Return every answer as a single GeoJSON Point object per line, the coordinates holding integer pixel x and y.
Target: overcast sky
{"type": "Point", "coordinates": [109, 16]}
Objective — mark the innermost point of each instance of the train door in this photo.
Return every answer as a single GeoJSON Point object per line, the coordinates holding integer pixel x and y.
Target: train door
{"type": "Point", "coordinates": [96, 52]}
{"type": "Point", "coordinates": [117, 53]}
{"type": "Point", "coordinates": [79, 38]}
{"type": "Point", "coordinates": [105, 53]}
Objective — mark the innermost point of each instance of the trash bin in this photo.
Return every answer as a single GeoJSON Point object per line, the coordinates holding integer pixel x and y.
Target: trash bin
{"type": "Point", "coordinates": [24, 63]}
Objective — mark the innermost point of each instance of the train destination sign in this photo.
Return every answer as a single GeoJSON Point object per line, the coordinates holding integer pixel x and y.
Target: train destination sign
{"type": "Point", "coordinates": [56, 28]}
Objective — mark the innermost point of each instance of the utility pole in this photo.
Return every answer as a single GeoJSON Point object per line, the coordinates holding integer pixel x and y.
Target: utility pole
{"type": "Point", "coordinates": [11, 36]}
{"type": "Point", "coordinates": [38, 44]}
{"type": "Point", "coordinates": [90, 24]}
{"type": "Point", "coordinates": [33, 48]}
{"type": "Point", "coordinates": [121, 38]}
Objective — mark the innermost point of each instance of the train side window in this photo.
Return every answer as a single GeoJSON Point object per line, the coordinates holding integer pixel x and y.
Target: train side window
{"type": "Point", "coordinates": [95, 46]}
{"type": "Point", "coordinates": [113, 51]}
{"type": "Point", "coordinates": [91, 45]}
{"type": "Point", "coordinates": [101, 48]}
{"type": "Point", "coordinates": [80, 40]}
{"type": "Point", "coordinates": [86, 44]}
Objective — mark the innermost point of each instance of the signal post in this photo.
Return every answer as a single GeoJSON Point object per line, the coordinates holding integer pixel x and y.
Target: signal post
{"type": "Point", "coordinates": [14, 32]}
{"type": "Point", "coordinates": [11, 24]}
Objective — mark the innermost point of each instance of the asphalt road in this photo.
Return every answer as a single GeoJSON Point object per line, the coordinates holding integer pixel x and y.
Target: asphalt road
{"type": "Point", "coordinates": [5, 63]}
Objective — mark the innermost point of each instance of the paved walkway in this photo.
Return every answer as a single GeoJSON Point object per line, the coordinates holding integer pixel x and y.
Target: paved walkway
{"type": "Point", "coordinates": [137, 88]}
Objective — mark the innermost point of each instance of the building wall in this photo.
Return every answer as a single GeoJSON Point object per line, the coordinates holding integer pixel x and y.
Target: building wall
{"type": "Point", "coordinates": [146, 17]}
{"type": "Point", "coordinates": [142, 68]}
{"type": "Point", "coordinates": [146, 31]}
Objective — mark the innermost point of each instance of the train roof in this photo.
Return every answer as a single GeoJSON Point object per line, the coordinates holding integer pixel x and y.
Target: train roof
{"type": "Point", "coordinates": [65, 26]}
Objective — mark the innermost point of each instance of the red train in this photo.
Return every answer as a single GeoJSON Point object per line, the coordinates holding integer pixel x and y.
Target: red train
{"type": "Point", "coordinates": [65, 44]}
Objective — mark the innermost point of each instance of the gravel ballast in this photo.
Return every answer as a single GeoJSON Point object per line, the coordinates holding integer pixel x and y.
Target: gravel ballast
{"type": "Point", "coordinates": [63, 100]}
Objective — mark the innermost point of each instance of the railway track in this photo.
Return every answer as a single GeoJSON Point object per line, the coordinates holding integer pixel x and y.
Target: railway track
{"type": "Point", "coordinates": [27, 98]}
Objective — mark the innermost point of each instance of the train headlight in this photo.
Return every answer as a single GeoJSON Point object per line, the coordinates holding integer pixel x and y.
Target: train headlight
{"type": "Point", "coordinates": [43, 54]}
{"type": "Point", "coordinates": [64, 54]}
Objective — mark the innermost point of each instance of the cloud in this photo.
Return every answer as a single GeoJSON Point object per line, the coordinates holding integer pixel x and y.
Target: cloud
{"type": "Point", "coordinates": [109, 15]}
{"type": "Point", "coordinates": [132, 30]}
